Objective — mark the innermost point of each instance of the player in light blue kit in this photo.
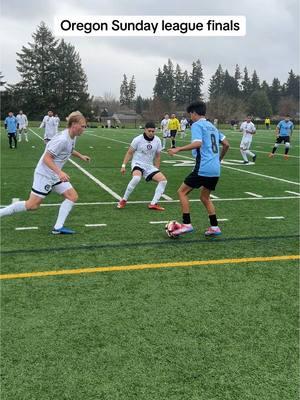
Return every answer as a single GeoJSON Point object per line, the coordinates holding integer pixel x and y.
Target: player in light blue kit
{"type": "Point", "coordinates": [205, 148]}
{"type": "Point", "coordinates": [284, 132]}
{"type": "Point", "coordinates": [11, 125]}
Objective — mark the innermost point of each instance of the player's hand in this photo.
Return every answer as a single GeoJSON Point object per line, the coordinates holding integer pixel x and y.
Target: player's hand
{"type": "Point", "coordinates": [173, 151]}
{"type": "Point", "coordinates": [123, 170]}
{"type": "Point", "coordinates": [63, 176]}
{"type": "Point", "coordinates": [86, 158]}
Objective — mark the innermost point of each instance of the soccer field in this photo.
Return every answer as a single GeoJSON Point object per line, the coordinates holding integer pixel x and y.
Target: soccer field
{"type": "Point", "coordinates": [180, 319]}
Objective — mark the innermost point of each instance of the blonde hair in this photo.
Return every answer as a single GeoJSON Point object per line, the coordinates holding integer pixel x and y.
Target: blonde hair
{"type": "Point", "coordinates": [75, 118]}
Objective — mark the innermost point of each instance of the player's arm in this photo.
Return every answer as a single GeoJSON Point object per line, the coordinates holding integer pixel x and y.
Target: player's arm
{"type": "Point", "coordinates": [277, 130]}
{"type": "Point", "coordinates": [42, 124]}
{"type": "Point", "coordinates": [48, 160]}
{"type": "Point", "coordinates": [128, 157]}
{"type": "Point", "coordinates": [225, 148]}
{"type": "Point", "coordinates": [81, 156]}
{"type": "Point", "coordinates": [196, 144]}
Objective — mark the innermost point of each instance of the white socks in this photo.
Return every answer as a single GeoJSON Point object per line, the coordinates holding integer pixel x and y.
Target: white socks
{"type": "Point", "coordinates": [159, 191]}
{"type": "Point", "coordinates": [64, 210]}
{"type": "Point", "coordinates": [131, 186]}
{"type": "Point", "coordinates": [164, 143]}
{"type": "Point", "coordinates": [243, 153]}
{"type": "Point", "coordinates": [19, 206]}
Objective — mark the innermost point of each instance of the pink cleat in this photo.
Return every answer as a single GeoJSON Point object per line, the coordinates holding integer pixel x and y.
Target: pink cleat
{"type": "Point", "coordinates": [213, 232]}
{"type": "Point", "coordinates": [183, 228]}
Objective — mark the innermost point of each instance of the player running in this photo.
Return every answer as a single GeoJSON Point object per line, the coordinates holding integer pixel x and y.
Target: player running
{"type": "Point", "coordinates": [205, 148]}
{"type": "Point", "coordinates": [48, 175]}
{"type": "Point", "coordinates": [284, 132]}
{"type": "Point", "coordinates": [145, 154]}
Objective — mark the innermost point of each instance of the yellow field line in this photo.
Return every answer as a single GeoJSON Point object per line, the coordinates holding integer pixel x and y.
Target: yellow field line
{"type": "Point", "coordinates": [147, 266]}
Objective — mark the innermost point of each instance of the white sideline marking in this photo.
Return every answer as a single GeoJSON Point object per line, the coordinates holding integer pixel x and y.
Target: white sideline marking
{"type": "Point", "coordinates": [92, 177]}
{"type": "Point", "coordinates": [222, 219]}
{"type": "Point", "coordinates": [213, 196]}
{"type": "Point", "coordinates": [158, 222]}
{"type": "Point", "coordinates": [26, 228]}
{"type": "Point", "coordinates": [253, 194]}
{"type": "Point", "coordinates": [223, 166]}
{"type": "Point", "coordinates": [166, 197]}
{"type": "Point", "coordinates": [90, 225]}
{"type": "Point", "coordinates": [288, 191]}
{"type": "Point", "coordinates": [280, 217]}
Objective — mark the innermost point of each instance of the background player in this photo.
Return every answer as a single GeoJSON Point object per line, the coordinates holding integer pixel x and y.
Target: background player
{"type": "Point", "coordinates": [23, 123]}
{"type": "Point", "coordinates": [205, 148]}
{"type": "Point", "coordinates": [248, 129]}
{"type": "Point", "coordinates": [165, 130]}
{"type": "Point", "coordinates": [49, 124]}
{"type": "Point", "coordinates": [145, 154]}
{"type": "Point", "coordinates": [49, 176]}
{"type": "Point", "coordinates": [11, 125]}
{"type": "Point", "coordinates": [284, 132]}
{"type": "Point", "coordinates": [174, 127]}
{"type": "Point", "coordinates": [183, 124]}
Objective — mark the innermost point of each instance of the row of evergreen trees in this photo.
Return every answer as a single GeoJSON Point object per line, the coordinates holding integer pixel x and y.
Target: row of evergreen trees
{"type": "Point", "coordinates": [52, 78]}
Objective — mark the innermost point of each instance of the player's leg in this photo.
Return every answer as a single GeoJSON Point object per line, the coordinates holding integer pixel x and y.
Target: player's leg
{"type": "Point", "coordinates": [210, 208]}
{"type": "Point", "coordinates": [249, 152]}
{"type": "Point", "coordinates": [277, 143]}
{"type": "Point", "coordinates": [15, 139]}
{"type": "Point", "coordinates": [136, 177]}
{"type": "Point", "coordinates": [243, 148]}
{"type": "Point", "coordinates": [165, 135]}
{"type": "Point", "coordinates": [19, 134]}
{"type": "Point", "coordinates": [31, 204]}
{"type": "Point", "coordinates": [173, 138]}
{"type": "Point", "coordinates": [70, 197]}
{"type": "Point", "coordinates": [25, 134]}
{"type": "Point", "coordinates": [160, 188]}
{"type": "Point", "coordinates": [286, 147]}
{"type": "Point", "coordinates": [186, 225]}
{"type": "Point", "coordinates": [10, 140]}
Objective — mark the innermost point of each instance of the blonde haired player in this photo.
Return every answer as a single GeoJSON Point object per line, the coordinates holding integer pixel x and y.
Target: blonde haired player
{"type": "Point", "coordinates": [49, 176]}
{"type": "Point", "coordinates": [165, 130]}
{"type": "Point", "coordinates": [248, 129]}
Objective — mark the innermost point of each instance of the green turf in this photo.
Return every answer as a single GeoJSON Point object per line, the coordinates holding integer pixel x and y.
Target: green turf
{"type": "Point", "coordinates": [210, 332]}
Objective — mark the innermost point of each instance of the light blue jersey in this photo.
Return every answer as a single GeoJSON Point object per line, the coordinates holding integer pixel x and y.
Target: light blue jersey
{"type": "Point", "coordinates": [285, 128]}
{"type": "Point", "coordinates": [11, 123]}
{"type": "Point", "coordinates": [207, 157]}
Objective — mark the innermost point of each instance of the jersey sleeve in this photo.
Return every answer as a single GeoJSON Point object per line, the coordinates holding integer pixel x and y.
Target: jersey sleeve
{"type": "Point", "coordinates": [279, 125]}
{"type": "Point", "coordinates": [55, 147]}
{"type": "Point", "coordinates": [134, 143]}
{"type": "Point", "coordinates": [159, 146]}
{"type": "Point", "coordinates": [196, 133]}
{"type": "Point", "coordinates": [221, 136]}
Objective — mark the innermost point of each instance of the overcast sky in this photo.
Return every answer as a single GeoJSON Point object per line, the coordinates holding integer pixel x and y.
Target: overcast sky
{"type": "Point", "coordinates": [271, 45]}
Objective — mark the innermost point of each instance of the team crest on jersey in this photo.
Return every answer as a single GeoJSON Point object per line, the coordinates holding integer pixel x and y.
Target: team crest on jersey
{"type": "Point", "coordinates": [47, 188]}
{"type": "Point", "coordinates": [149, 146]}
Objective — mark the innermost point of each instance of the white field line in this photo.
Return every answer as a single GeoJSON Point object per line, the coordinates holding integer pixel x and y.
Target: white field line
{"type": "Point", "coordinates": [253, 194]}
{"type": "Point", "coordinates": [26, 228]}
{"type": "Point", "coordinates": [92, 177]}
{"type": "Point", "coordinates": [94, 225]}
{"type": "Point", "coordinates": [279, 217]}
{"type": "Point", "coordinates": [222, 219]}
{"type": "Point", "coordinates": [223, 166]}
{"type": "Point", "coordinates": [288, 191]}
{"type": "Point", "coordinates": [158, 222]}
{"type": "Point", "coordinates": [104, 203]}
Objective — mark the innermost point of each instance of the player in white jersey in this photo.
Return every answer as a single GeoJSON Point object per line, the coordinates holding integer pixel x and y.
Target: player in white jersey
{"type": "Point", "coordinates": [49, 124]}
{"type": "Point", "coordinates": [145, 154]}
{"type": "Point", "coordinates": [183, 125]}
{"type": "Point", "coordinates": [23, 123]}
{"type": "Point", "coordinates": [48, 175]}
{"type": "Point", "coordinates": [248, 129]}
{"type": "Point", "coordinates": [165, 131]}
{"type": "Point", "coordinates": [57, 122]}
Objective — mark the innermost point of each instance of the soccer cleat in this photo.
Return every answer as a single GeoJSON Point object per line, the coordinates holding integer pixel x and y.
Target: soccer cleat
{"type": "Point", "coordinates": [246, 162]}
{"type": "Point", "coordinates": [62, 231]}
{"type": "Point", "coordinates": [271, 155]}
{"type": "Point", "coordinates": [286, 157]}
{"type": "Point", "coordinates": [155, 207]}
{"type": "Point", "coordinates": [254, 158]}
{"type": "Point", "coordinates": [183, 228]}
{"type": "Point", "coordinates": [213, 232]}
{"type": "Point", "coordinates": [122, 203]}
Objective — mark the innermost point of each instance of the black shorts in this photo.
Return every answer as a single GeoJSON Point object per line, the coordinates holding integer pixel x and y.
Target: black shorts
{"type": "Point", "coordinates": [149, 177]}
{"type": "Point", "coordinates": [173, 132]}
{"type": "Point", "coordinates": [11, 134]}
{"type": "Point", "coordinates": [195, 181]}
{"type": "Point", "coordinates": [285, 139]}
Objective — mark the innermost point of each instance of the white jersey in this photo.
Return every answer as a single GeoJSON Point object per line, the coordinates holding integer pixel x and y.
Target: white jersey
{"type": "Point", "coordinates": [50, 127]}
{"type": "Point", "coordinates": [60, 147]}
{"type": "Point", "coordinates": [22, 121]}
{"type": "Point", "coordinates": [145, 150]}
{"type": "Point", "coordinates": [57, 122]}
{"type": "Point", "coordinates": [183, 124]}
{"type": "Point", "coordinates": [248, 128]}
{"type": "Point", "coordinates": [164, 124]}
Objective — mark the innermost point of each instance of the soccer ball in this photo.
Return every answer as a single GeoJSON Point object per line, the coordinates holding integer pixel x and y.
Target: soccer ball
{"type": "Point", "coordinates": [170, 227]}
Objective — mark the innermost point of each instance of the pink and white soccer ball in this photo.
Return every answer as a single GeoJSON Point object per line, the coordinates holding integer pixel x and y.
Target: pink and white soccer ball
{"type": "Point", "coordinates": [172, 226]}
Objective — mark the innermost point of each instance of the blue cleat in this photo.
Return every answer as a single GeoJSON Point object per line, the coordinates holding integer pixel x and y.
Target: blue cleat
{"type": "Point", "coordinates": [62, 231]}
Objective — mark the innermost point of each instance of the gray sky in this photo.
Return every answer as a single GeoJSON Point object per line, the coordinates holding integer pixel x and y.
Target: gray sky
{"type": "Point", "coordinates": [271, 45]}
